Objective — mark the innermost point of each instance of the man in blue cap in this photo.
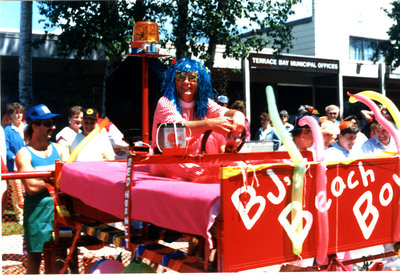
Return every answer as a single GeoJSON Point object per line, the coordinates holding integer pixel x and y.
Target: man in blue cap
{"type": "Point", "coordinates": [38, 154]}
{"type": "Point", "coordinates": [223, 100]}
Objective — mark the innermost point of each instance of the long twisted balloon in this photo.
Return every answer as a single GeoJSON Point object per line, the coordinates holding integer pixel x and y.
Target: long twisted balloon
{"type": "Point", "coordinates": [385, 123]}
{"type": "Point", "coordinates": [299, 166]}
{"type": "Point", "coordinates": [320, 176]}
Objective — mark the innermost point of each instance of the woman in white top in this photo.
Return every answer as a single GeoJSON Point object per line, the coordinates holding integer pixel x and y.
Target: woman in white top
{"type": "Point", "coordinates": [68, 134]}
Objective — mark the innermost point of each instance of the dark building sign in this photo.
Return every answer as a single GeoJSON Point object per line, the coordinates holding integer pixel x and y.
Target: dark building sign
{"type": "Point", "coordinates": [293, 63]}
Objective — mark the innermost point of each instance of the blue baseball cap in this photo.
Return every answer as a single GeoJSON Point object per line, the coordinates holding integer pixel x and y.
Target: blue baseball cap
{"type": "Point", "coordinates": [39, 112]}
{"type": "Point", "coordinates": [223, 99]}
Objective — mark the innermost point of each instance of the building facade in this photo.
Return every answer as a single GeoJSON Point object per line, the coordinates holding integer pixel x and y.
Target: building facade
{"type": "Point", "coordinates": [330, 57]}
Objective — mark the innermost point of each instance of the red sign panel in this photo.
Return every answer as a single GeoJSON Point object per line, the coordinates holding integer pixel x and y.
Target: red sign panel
{"type": "Point", "coordinates": [361, 202]}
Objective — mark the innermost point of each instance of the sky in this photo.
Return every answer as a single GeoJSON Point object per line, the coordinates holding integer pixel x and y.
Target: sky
{"type": "Point", "coordinates": [10, 14]}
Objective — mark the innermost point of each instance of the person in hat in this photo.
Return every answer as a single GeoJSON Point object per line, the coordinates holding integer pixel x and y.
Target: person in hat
{"type": "Point", "coordinates": [302, 135]}
{"type": "Point", "coordinates": [99, 147]}
{"type": "Point", "coordinates": [39, 153]}
{"type": "Point", "coordinates": [329, 131]}
{"type": "Point", "coordinates": [223, 100]}
{"type": "Point", "coordinates": [188, 98]}
{"type": "Point", "coordinates": [361, 137]}
{"type": "Point", "coordinates": [343, 148]}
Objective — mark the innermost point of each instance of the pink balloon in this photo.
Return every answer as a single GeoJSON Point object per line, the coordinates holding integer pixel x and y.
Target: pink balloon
{"type": "Point", "coordinates": [323, 222]}
{"type": "Point", "coordinates": [317, 135]}
{"type": "Point", "coordinates": [393, 132]}
{"type": "Point", "coordinates": [320, 177]}
{"type": "Point", "coordinates": [379, 117]}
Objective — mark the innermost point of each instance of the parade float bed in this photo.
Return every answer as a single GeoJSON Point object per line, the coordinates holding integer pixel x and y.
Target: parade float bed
{"type": "Point", "coordinates": [169, 203]}
{"type": "Point", "coordinates": [361, 205]}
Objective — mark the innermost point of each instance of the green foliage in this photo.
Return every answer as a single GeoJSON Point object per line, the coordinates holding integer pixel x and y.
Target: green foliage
{"type": "Point", "coordinates": [197, 25]}
{"type": "Point", "coordinates": [391, 49]}
{"type": "Point", "coordinates": [88, 26]}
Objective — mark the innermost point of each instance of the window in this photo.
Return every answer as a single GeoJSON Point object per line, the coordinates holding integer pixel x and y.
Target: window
{"type": "Point", "coordinates": [363, 48]}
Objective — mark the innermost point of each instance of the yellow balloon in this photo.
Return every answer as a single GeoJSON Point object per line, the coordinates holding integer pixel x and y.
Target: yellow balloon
{"type": "Point", "coordinates": [83, 143]}
{"type": "Point", "coordinates": [87, 139]}
{"type": "Point", "coordinates": [384, 101]}
{"type": "Point", "coordinates": [278, 125]}
{"type": "Point", "coordinates": [299, 165]}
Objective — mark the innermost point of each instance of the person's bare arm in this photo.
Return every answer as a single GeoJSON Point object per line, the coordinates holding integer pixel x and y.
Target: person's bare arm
{"type": "Point", "coordinates": [23, 162]}
{"type": "Point", "coordinates": [238, 121]}
{"type": "Point", "coordinates": [222, 125]}
{"type": "Point", "coordinates": [62, 141]}
{"type": "Point", "coordinates": [233, 122]}
{"type": "Point", "coordinates": [63, 151]}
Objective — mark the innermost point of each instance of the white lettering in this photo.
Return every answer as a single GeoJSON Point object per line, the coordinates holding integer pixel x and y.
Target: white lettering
{"type": "Point", "coordinates": [331, 66]}
{"type": "Point", "coordinates": [283, 62]}
{"type": "Point", "coordinates": [295, 230]}
{"type": "Point", "coordinates": [386, 187]}
{"type": "Point", "coordinates": [350, 184]}
{"type": "Point", "coordinates": [396, 179]}
{"type": "Point", "coordinates": [281, 188]}
{"type": "Point", "coordinates": [365, 174]}
{"type": "Point", "coordinates": [268, 61]}
{"type": "Point", "coordinates": [362, 217]}
{"type": "Point", "coordinates": [337, 186]}
{"type": "Point", "coordinates": [320, 202]}
{"type": "Point", "coordinates": [304, 64]}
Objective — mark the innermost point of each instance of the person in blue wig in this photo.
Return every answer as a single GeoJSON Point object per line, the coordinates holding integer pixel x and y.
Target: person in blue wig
{"type": "Point", "coordinates": [188, 98]}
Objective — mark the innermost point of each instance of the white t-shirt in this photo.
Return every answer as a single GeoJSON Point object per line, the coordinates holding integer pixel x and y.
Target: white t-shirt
{"type": "Point", "coordinates": [96, 149]}
{"type": "Point", "coordinates": [67, 134]}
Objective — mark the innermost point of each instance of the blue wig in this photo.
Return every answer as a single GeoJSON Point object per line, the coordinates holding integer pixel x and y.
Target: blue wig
{"type": "Point", "coordinates": [204, 86]}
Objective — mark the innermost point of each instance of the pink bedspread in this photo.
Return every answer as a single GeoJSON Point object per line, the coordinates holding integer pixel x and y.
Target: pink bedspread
{"type": "Point", "coordinates": [178, 205]}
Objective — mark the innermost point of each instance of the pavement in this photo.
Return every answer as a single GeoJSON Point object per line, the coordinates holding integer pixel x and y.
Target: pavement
{"type": "Point", "coordinates": [11, 248]}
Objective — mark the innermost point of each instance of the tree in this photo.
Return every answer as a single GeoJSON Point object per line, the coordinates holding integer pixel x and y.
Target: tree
{"type": "Point", "coordinates": [214, 22]}
{"type": "Point", "coordinates": [391, 48]}
{"type": "Point", "coordinates": [86, 26]}
{"type": "Point", "coordinates": [89, 26]}
{"type": "Point", "coordinates": [25, 55]}
{"type": "Point", "coordinates": [198, 26]}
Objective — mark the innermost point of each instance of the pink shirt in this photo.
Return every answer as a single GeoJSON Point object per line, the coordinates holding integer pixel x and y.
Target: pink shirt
{"type": "Point", "coordinates": [166, 113]}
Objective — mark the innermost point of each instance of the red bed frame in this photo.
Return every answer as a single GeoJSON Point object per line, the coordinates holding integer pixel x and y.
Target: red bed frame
{"type": "Point", "coordinates": [362, 209]}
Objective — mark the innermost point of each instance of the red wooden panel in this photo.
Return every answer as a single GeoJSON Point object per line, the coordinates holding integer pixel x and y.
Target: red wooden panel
{"type": "Point", "coordinates": [362, 202]}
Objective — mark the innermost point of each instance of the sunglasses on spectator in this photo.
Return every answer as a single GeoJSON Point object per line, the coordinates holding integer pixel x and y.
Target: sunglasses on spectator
{"type": "Point", "coordinates": [332, 113]}
{"type": "Point", "coordinates": [47, 123]}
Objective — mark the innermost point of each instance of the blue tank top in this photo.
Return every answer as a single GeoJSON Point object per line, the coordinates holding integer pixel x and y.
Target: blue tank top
{"type": "Point", "coordinates": [48, 163]}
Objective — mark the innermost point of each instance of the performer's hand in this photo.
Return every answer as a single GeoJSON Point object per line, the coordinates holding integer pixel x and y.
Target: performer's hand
{"type": "Point", "coordinates": [222, 125]}
{"type": "Point", "coordinates": [238, 123]}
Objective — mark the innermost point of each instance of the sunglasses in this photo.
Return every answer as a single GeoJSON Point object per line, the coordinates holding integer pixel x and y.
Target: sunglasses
{"type": "Point", "coordinates": [192, 77]}
{"type": "Point", "coordinates": [48, 123]}
{"type": "Point", "coordinates": [332, 113]}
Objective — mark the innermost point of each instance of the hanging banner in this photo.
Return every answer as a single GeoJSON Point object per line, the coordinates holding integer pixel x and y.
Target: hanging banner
{"type": "Point", "coordinates": [361, 203]}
